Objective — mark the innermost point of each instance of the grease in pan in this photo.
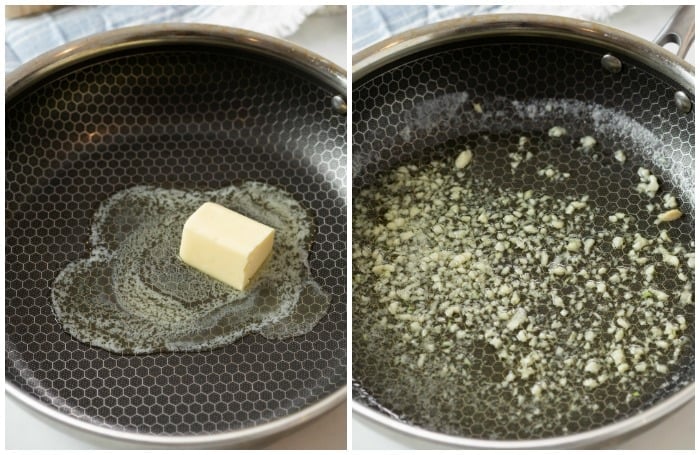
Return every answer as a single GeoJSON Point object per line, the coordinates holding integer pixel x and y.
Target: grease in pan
{"type": "Point", "coordinates": [134, 295]}
{"type": "Point", "coordinates": [519, 302]}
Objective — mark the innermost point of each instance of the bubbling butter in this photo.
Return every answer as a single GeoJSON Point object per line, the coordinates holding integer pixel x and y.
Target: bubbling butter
{"type": "Point", "coordinates": [134, 295]}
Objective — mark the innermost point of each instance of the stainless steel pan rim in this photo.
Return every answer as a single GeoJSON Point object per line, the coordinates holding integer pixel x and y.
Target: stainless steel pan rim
{"type": "Point", "coordinates": [535, 25]}
{"type": "Point", "coordinates": [174, 34]}
{"type": "Point", "coordinates": [88, 48]}
{"type": "Point", "coordinates": [411, 42]}
{"type": "Point", "coordinates": [242, 436]}
{"type": "Point", "coordinates": [585, 439]}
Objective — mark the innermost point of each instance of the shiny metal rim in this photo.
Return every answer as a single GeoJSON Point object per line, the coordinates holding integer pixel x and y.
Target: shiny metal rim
{"type": "Point", "coordinates": [578, 440]}
{"type": "Point", "coordinates": [242, 436]}
{"type": "Point", "coordinates": [88, 48]}
{"type": "Point", "coordinates": [405, 44]}
{"type": "Point", "coordinates": [524, 25]}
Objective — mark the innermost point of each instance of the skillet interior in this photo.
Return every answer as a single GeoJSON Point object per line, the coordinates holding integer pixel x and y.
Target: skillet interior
{"type": "Point", "coordinates": [421, 108]}
{"type": "Point", "coordinates": [186, 118]}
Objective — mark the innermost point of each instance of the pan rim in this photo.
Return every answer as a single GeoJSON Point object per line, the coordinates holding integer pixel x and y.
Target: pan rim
{"type": "Point", "coordinates": [388, 51]}
{"type": "Point", "coordinates": [73, 53]}
{"type": "Point", "coordinates": [240, 436]}
{"type": "Point", "coordinates": [140, 36]}
{"type": "Point", "coordinates": [522, 25]}
{"type": "Point", "coordinates": [575, 440]}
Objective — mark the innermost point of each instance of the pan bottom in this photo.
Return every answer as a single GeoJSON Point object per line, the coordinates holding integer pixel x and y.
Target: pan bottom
{"type": "Point", "coordinates": [492, 299]}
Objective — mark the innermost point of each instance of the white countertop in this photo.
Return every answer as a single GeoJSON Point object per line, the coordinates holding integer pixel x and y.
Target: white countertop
{"type": "Point", "coordinates": [675, 432]}
{"type": "Point", "coordinates": [23, 425]}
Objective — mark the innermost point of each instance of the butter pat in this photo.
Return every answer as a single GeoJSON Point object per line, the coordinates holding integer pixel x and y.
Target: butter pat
{"type": "Point", "coordinates": [225, 245]}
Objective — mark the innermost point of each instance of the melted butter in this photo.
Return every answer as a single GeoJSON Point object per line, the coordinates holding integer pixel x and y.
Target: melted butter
{"type": "Point", "coordinates": [134, 295]}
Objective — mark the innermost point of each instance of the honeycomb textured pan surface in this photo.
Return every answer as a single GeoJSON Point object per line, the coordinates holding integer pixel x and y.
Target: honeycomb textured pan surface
{"type": "Point", "coordinates": [485, 95]}
{"type": "Point", "coordinates": [176, 119]}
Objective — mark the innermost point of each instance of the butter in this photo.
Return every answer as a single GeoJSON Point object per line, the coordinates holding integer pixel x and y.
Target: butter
{"type": "Point", "coordinates": [225, 245]}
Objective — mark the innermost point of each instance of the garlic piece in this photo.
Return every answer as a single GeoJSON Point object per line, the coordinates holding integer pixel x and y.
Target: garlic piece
{"type": "Point", "coordinates": [464, 159]}
{"type": "Point", "coordinates": [669, 215]}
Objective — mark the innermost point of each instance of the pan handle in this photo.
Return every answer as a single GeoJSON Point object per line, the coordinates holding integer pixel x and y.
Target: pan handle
{"type": "Point", "coordinates": [680, 29]}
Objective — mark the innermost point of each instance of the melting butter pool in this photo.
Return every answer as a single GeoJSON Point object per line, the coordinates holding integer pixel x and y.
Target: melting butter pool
{"type": "Point", "coordinates": [134, 295]}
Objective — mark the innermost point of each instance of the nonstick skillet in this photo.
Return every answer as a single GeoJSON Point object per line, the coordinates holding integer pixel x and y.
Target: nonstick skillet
{"type": "Point", "coordinates": [179, 107]}
{"type": "Point", "coordinates": [425, 94]}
